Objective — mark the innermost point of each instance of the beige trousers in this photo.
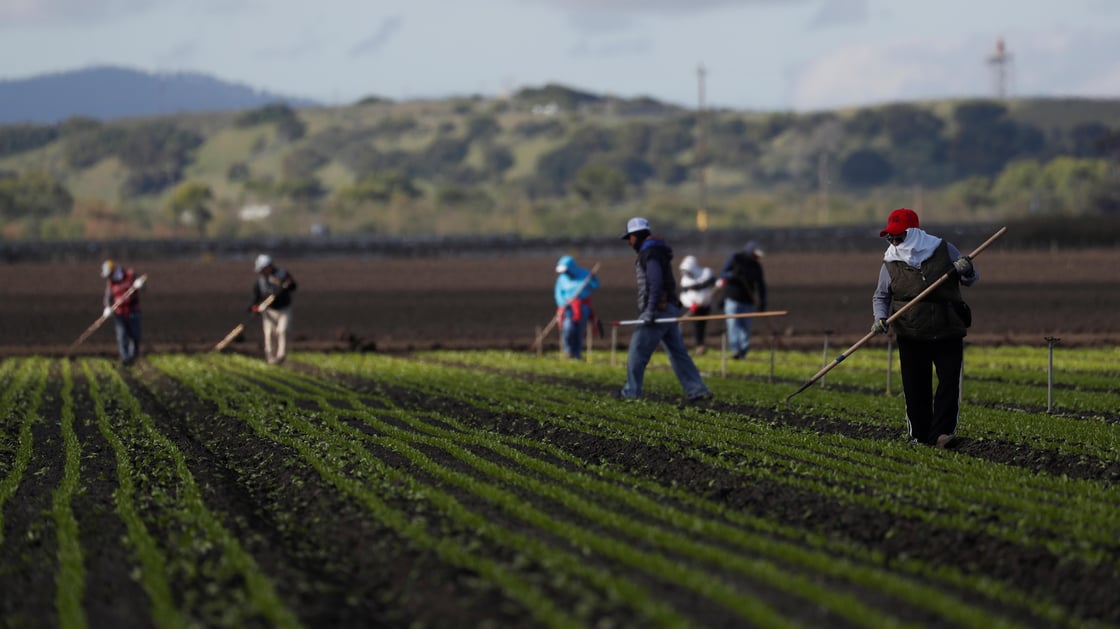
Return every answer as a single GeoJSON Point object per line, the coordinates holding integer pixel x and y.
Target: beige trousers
{"type": "Point", "coordinates": [276, 334]}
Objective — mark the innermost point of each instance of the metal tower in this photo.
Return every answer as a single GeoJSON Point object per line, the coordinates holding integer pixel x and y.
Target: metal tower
{"type": "Point", "coordinates": [1000, 62]}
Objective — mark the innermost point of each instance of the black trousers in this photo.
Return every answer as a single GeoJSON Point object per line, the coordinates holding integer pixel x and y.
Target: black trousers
{"type": "Point", "coordinates": [700, 328]}
{"type": "Point", "coordinates": [930, 412]}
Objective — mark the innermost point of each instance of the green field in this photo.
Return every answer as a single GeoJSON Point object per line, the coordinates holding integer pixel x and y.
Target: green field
{"type": "Point", "coordinates": [506, 489]}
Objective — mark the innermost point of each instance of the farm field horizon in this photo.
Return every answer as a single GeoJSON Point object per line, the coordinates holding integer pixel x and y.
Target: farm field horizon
{"type": "Point", "coordinates": [499, 488]}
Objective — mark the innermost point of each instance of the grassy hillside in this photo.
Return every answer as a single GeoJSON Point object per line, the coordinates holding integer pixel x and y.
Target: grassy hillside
{"type": "Point", "coordinates": [557, 161]}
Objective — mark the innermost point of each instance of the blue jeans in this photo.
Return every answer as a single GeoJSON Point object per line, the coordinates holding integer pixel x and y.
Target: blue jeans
{"type": "Point", "coordinates": [645, 340]}
{"type": "Point", "coordinates": [738, 330]}
{"type": "Point", "coordinates": [128, 336]}
{"type": "Point", "coordinates": [572, 332]}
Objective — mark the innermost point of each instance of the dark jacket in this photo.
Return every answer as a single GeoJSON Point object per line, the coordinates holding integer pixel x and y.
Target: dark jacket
{"type": "Point", "coordinates": [657, 288]}
{"type": "Point", "coordinates": [743, 280]}
{"type": "Point", "coordinates": [280, 283]}
{"type": "Point", "coordinates": [940, 314]}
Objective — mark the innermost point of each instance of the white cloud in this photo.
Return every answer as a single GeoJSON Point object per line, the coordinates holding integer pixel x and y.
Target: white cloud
{"type": "Point", "coordinates": [870, 73]}
{"type": "Point", "coordinates": [1054, 63]}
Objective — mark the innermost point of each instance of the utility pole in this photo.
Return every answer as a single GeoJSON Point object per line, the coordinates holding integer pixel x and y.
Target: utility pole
{"type": "Point", "coordinates": [822, 186]}
{"type": "Point", "coordinates": [1000, 62]}
{"type": "Point", "coordinates": [702, 211]}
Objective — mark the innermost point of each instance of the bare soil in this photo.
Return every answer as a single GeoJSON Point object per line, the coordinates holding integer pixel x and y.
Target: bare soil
{"type": "Point", "coordinates": [501, 302]}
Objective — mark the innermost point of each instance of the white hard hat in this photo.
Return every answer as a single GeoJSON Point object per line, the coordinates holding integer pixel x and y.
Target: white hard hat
{"type": "Point", "coordinates": [262, 261]}
{"type": "Point", "coordinates": [107, 268]}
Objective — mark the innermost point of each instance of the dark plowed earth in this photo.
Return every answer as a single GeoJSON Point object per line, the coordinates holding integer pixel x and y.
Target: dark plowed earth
{"type": "Point", "coordinates": [400, 304]}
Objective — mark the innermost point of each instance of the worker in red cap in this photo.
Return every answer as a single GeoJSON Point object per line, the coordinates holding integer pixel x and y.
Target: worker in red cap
{"type": "Point", "coordinates": [930, 333]}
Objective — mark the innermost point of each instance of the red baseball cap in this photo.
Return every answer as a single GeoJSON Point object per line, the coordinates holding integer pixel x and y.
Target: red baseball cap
{"type": "Point", "coordinates": [899, 221]}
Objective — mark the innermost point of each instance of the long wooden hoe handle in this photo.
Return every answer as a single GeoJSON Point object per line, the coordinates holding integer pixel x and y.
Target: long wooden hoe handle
{"type": "Point", "coordinates": [741, 315]}
{"type": "Point", "coordinates": [265, 303]}
{"type": "Point", "coordinates": [922, 295]}
{"type": "Point", "coordinates": [556, 317]}
{"type": "Point", "coordinates": [103, 318]}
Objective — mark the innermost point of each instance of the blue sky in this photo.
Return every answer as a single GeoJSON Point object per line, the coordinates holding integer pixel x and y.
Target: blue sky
{"type": "Point", "coordinates": [758, 54]}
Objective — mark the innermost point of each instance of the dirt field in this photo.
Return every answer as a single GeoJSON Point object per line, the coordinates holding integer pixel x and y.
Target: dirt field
{"type": "Point", "coordinates": [400, 304]}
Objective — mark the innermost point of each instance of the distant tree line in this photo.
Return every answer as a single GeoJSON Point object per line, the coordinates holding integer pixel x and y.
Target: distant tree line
{"type": "Point", "coordinates": [979, 155]}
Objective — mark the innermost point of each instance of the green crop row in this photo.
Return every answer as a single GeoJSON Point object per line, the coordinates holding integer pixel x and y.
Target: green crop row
{"type": "Point", "coordinates": [585, 496]}
{"type": "Point", "coordinates": [157, 494]}
{"type": "Point", "coordinates": [527, 477]}
{"type": "Point", "coordinates": [979, 492]}
{"type": "Point", "coordinates": [982, 417]}
{"type": "Point", "coordinates": [566, 486]}
{"type": "Point", "coordinates": [790, 453]}
{"type": "Point", "coordinates": [19, 405]}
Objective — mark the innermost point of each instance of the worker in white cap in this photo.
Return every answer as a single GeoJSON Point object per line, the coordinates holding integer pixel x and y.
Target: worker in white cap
{"type": "Point", "coordinates": [275, 316]}
{"type": "Point", "coordinates": [657, 299]}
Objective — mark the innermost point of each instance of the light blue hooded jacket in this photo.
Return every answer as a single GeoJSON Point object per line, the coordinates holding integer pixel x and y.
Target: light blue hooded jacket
{"type": "Point", "coordinates": [570, 277]}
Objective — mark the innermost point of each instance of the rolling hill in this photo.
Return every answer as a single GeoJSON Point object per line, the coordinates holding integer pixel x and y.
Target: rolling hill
{"type": "Point", "coordinates": [109, 93]}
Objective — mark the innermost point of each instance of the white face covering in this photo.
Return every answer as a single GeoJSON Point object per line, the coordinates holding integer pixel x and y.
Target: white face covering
{"type": "Point", "coordinates": [917, 247]}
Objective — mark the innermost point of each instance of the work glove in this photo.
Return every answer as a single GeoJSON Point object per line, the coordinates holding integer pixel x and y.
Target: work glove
{"type": "Point", "coordinates": [254, 308]}
{"type": "Point", "coordinates": [138, 283]}
{"type": "Point", "coordinates": [647, 318]}
{"type": "Point", "coordinates": [108, 312]}
{"type": "Point", "coordinates": [963, 265]}
{"type": "Point", "coordinates": [880, 326]}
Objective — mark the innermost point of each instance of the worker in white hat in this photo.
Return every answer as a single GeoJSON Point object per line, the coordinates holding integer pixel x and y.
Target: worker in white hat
{"type": "Point", "coordinates": [279, 284]}
{"type": "Point", "coordinates": [657, 299]}
{"type": "Point", "coordinates": [697, 285]}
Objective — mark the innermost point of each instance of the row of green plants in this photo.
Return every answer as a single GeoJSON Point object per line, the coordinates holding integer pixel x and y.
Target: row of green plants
{"type": "Point", "coordinates": [526, 472]}
{"type": "Point", "coordinates": [1005, 389]}
{"type": "Point", "coordinates": [179, 542]}
{"type": "Point", "coordinates": [833, 465]}
{"type": "Point", "coordinates": [515, 475]}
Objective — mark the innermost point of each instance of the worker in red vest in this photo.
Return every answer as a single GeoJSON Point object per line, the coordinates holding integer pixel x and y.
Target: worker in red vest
{"type": "Point", "coordinates": [122, 290]}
